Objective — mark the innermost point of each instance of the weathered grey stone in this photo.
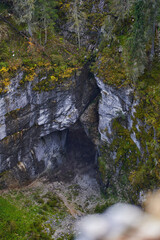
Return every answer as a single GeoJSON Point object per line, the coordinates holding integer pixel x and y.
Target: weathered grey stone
{"type": "Point", "coordinates": [89, 120]}
{"type": "Point", "coordinates": [113, 103]}
{"type": "Point", "coordinates": [33, 125]}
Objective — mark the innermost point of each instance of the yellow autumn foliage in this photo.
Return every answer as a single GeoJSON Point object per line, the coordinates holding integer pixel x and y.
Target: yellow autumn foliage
{"type": "Point", "coordinates": [67, 73]}
{"type": "Point", "coordinates": [4, 70]}
{"type": "Point", "coordinates": [4, 83]}
{"type": "Point", "coordinates": [30, 77]}
{"type": "Point", "coordinates": [54, 79]}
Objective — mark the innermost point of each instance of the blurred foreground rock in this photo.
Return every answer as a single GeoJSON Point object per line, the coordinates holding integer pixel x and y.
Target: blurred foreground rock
{"type": "Point", "coordinates": [123, 222]}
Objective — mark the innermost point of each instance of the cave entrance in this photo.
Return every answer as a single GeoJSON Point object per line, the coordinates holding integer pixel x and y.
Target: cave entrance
{"type": "Point", "coordinates": [80, 155]}
{"type": "Point", "coordinates": [80, 151]}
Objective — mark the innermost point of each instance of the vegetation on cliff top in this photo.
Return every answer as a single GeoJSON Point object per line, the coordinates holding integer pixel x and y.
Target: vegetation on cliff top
{"type": "Point", "coordinates": [42, 52]}
{"type": "Point", "coordinates": [31, 39]}
{"type": "Point", "coordinates": [128, 46]}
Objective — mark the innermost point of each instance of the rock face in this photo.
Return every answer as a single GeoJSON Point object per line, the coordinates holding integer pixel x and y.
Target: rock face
{"type": "Point", "coordinates": [120, 129]}
{"type": "Point", "coordinates": [60, 132]}
{"type": "Point", "coordinates": [34, 125]}
{"type": "Point", "coordinates": [50, 131]}
{"type": "Point", "coordinates": [113, 103]}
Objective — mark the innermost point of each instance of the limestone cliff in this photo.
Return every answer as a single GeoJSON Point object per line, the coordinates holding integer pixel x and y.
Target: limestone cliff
{"type": "Point", "coordinates": [35, 126]}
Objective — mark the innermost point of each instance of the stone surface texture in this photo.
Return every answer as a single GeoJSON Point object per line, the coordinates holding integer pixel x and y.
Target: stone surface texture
{"type": "Point", "coordinates": [34, 125]}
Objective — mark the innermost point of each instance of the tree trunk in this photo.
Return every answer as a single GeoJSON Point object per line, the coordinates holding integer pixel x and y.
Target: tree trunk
{"type": "Point", "coordinates": [77, 24]}
{"type": "Point", "coordinates": [45, 30]}
{"type": "Point", "coordinates": [153, 39]}
{"type": "Point", "coordinates": [30, 29]}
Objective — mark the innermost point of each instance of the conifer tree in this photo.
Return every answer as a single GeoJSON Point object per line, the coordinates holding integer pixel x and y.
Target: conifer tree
{"type": "Point", "coordinates": [77, 17]}
{"type": "Point", "coordinates": [45, 15]}
{"type": "Point", "coordinates": [140, 18]}
{"type": "Point", "coordinates": [121, 8]}
{"type": "Point", "coordinates": [142, 34]}
{"type": "Point", "coordinates": [24, 10]}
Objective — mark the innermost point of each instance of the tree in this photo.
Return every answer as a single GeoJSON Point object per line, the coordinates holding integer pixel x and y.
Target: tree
{"type": "Point", "coordinates": [133, 23]}
{"type": "Point", "coordinates": [121, 8]}
{"type": "Point", "coordinates": [142, 34]}
{"type": "Point", "coordinates": [45, 15]}
{"type": "Point", "coordinates": [24, 10]}
{"type": "Point", "coordinates": [77, 18]}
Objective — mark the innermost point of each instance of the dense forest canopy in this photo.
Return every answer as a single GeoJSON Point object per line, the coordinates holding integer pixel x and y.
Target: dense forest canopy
{"type": "Point", "coordinates": [134, 22]}
{"type": "Point", "coordinates": [38, 15]}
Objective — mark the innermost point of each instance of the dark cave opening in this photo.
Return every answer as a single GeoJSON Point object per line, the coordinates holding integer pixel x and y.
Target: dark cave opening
{"type": "Point", "coordinates": [80, 155]}
{"type": "Point", "coordinates": [80, 151]}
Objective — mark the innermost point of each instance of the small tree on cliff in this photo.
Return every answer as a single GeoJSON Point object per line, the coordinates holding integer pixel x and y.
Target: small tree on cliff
{"type": "Point", "coordinates": [45, 16]}
{"type": "Point", "coordinates": [77, 17]}
{"type": "Point", "coordinates": [24, 11]}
